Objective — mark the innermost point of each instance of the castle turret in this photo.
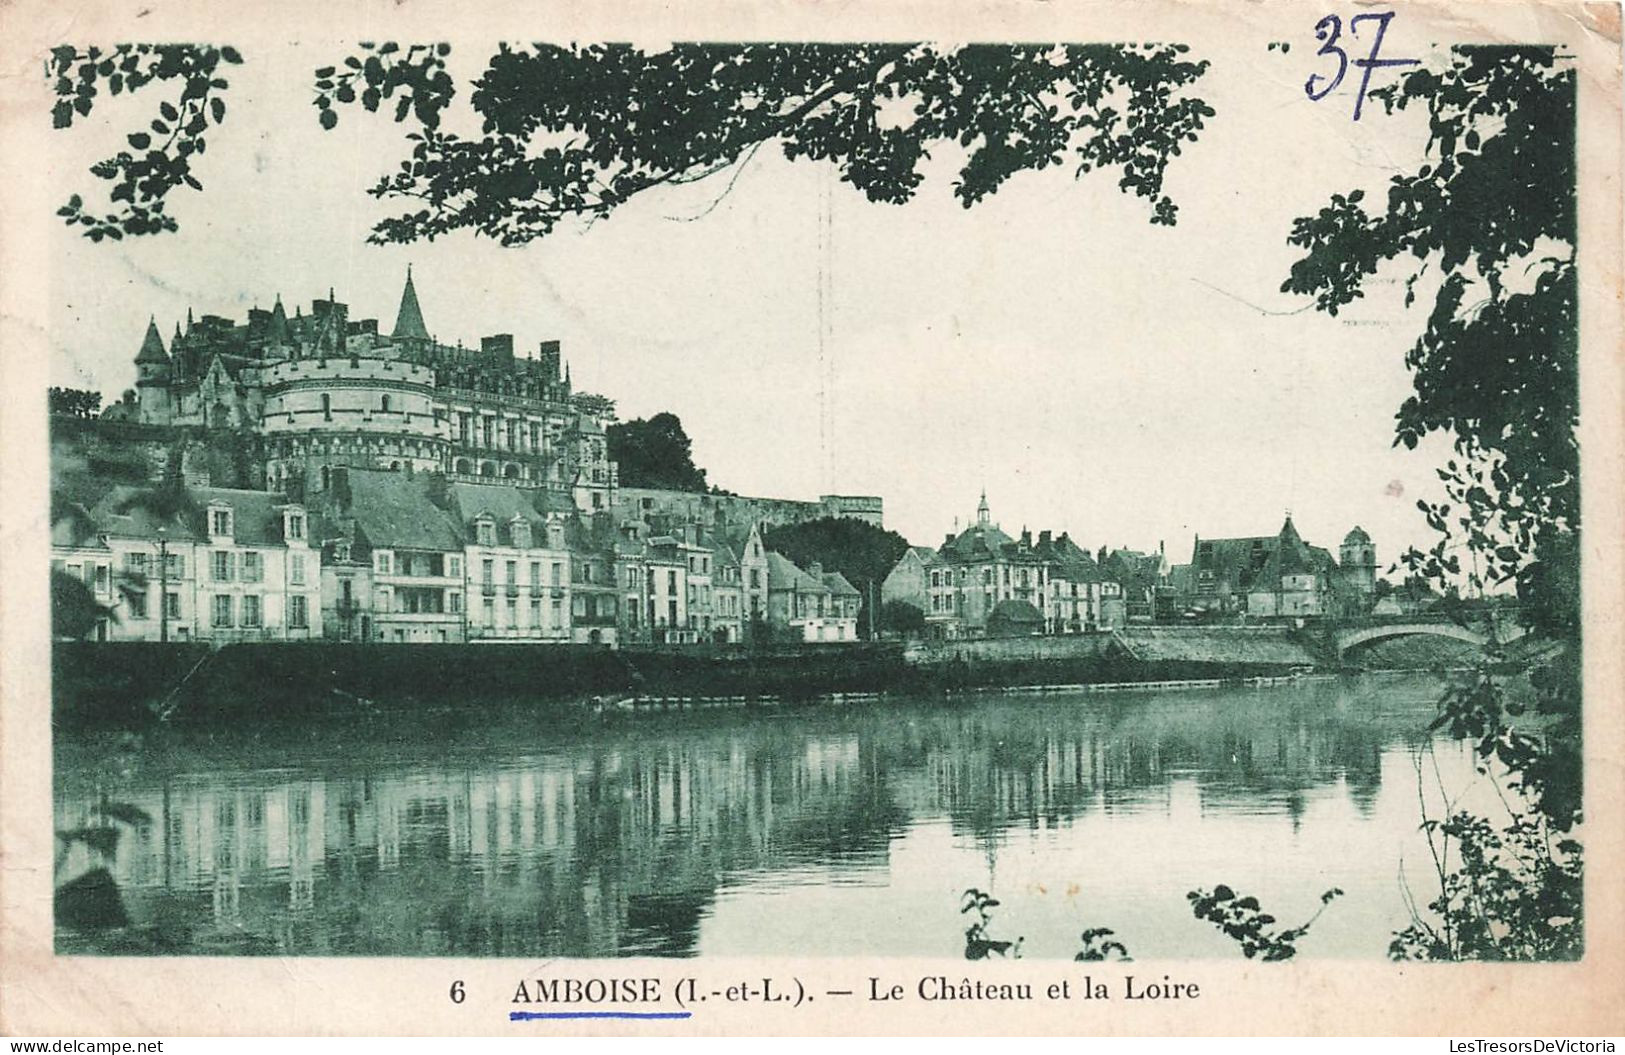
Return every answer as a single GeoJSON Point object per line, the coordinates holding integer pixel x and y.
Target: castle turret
{"type": "Point", "coordinates": [152, 367]}
{"type": "Point", "coordinates": [276, 334]}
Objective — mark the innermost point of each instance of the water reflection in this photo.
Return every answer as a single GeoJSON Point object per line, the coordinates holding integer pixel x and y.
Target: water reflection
{"type": "Point", "coordinates": [523, 838]}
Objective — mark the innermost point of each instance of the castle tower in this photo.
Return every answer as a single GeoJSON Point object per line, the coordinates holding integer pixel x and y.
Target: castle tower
{"type": "Point", "coordinates": [1358, 557]}
{"type": "Point", "coordinates": [409, 319]}
{"type": "Point", "coordinates": [152, 376]}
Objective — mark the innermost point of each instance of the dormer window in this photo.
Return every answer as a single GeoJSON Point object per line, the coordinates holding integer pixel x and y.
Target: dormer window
{"type": "Point", "coordinates": [220, 520]}
{"type": "Point", "coordinates": [293, 525]}
{"type": "Point", "coordinates": [341, 552]}
{"type": "Point", "coordinates": [485, 533]}
{"type": "Point", "coordinates": [520, 529]}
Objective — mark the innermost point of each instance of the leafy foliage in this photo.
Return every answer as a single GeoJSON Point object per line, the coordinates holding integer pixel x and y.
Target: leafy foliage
{"type": "Point", "coordinates": [578, 131]}
{"type": "Point", "coordinates": [74, 402]}
{"type": "Point", "coordinates": [415, 80]}
{"type": "Point", "coordinates": [1496, 368]}
{"type": "Point", "coordinates": [161, 154]}
{"type": "Point", "coordinates": [74, 609]}
{"type": "Point", "coordinates": [1242, 918]}
{"type": "Point", "coordinates": [900, 617]}
{"type": "Point", "coordinates": [978, 944]}
{"type": "Point", "coordinates": [1099, 945]}
{"type": "Point", "coordinates": [863, 553]}
{"type": "Point", "coordinates": [1496, 364]}
{"type": "Point", "coordinates": [654, 453]}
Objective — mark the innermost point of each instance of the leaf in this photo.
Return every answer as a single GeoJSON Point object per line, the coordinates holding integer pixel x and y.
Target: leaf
{"type": "Point", "coordinates": [217, 107]}
{"type": "Point", "coordinates": [329, 118]}
{"type": "Point", "coordinates": [169, 112]}
{"type": "Point", "coordinates": [231, 55]}
{"type": "Point", "coordinates": [1223, 893]}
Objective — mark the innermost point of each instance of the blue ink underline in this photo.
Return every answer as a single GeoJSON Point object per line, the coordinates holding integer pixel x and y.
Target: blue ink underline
{"type": "Point", "coordinates": [531, 1016]}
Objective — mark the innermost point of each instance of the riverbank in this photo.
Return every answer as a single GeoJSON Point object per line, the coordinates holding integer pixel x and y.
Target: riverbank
{"type": "Point", "coordinates": [131, 683]}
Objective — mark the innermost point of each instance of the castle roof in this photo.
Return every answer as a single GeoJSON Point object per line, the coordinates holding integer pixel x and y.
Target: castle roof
{"type": "Point", "coordinates": [1357, 537]}
{"type": "Point", "coordinates": [409, 319]}
{"type": "Point", "coordinates": [152, 346]}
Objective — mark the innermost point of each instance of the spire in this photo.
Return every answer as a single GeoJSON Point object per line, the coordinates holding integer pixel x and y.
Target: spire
{"type": "Point", "coordinates": [152, 345]}
{"type": "Point", "coordinates": [188, 320]}
{"type": "Point", "coordinates": [278, 334]}
{"type": "Point", "coordinates": [982, 515]}
{"type": "Point", "coordinates": [409, 319]}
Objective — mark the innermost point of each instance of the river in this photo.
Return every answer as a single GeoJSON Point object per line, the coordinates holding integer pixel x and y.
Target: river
{"type": "Point", "coordinates": [836, 830]}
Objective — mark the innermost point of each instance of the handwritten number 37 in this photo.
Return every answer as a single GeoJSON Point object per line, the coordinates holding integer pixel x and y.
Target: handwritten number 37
{"type": "Point", "coordinates": [1329, 31]}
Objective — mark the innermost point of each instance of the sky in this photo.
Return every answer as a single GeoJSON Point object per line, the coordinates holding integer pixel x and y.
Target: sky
{"type": "Point", "coordinates": [1136, 385]}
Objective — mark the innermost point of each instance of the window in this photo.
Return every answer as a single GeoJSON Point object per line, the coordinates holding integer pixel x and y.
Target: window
{"type": "Point", "coordinates": [454, 567]}
{"type": "Point", "coordinates": [327, 407]}
{"type": "Point", "coordinates": [137, 604]}
{"type": "Point", "coordinates": [101, 575]}
{"type": "Point", "coordinates": [383, 562]}
{"type": "Point", "coordinates": [535, 612]}
{"type": "Point", "coordinates": [488, 571]}
{"type": "Point", "coordinates": [341, 552]}
{"type": "Point", "coordinates": [513, 612]}
{"type": "Point", "coordinates": [558, 573]}
{"type": "Point", "coordinates": [251, 609]}
{"type": "Point", "coordinates": [488, 427]}
{"type": "Point", "coordinates": [296, 570]}
{"type": "Point", "coordinates": [253, 567]}
{"type": "Point", "coordinates": [755, 578]}
{"type": "Point", "coordinates": [454, 602]}
{"type": "Point", "coordinates": [224, 566]}
{"type": "Point", "coordinates": [172, 605]}
{"type": "Point", "coordinates": [521, 534]}
{"type": "Point", "coordinates": [219, 521]}
{"type": "Point", "coordinates": [490, 612]}
{"type": "Point", "coordinates": [510, 573]}
{"type": "Point", "coordinates": [383, 403]}
{"type": "Point", "coordinates": [535, 436]}
{"type": "Point", "coordinates": [296, 526]}
{"type": "Point", "coordinates": [135, 563]}
{"type": "Point", "coordinates": [535, 575]}
{"type": "Point", "coordinates": [298, 611]}
{"type": "Point", "coordinates": [671, 582]}
{"type": "Point", "coordinates": [222, 609]}
{"type": "Point", "coordinates": [558, 612]}
{"type": "Point", "coordinates": [485, 533]}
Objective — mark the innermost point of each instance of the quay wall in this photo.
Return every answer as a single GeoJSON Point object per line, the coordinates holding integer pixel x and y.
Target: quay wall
{"type": "Point", "coordinates": [132, 682]}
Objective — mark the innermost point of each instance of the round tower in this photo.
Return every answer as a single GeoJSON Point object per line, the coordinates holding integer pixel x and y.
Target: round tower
{"type": "Point", "coordinates": [152, 376]}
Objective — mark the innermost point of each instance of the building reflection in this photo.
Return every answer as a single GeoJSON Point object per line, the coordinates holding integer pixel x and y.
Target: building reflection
{"type": "Point", "coordinates": [619, 842]}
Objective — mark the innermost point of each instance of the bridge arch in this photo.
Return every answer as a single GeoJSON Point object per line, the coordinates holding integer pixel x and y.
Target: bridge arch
{"type": "Point", "coordinates": [1354, 637]}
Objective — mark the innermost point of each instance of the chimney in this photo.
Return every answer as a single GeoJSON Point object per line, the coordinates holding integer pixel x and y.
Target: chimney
{"type": "Point", "coordinates": [948, 538]}
{"type": "Point", "coordinates": [338, 485]}
{"type": "Point", "coordinates": [498, 346]}
{"type": "Point", "coordinates": [550, 361]}
{"type": "Point", "coordinates": [1045, 538]}
{"type": "Point", "coordinates": [439, 490]}
{"type": "Point", "coordinates": [816, 570]}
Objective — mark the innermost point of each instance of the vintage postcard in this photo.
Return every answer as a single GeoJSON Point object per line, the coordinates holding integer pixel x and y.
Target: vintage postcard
{"type": "Point", "coordinates": [948, 518]}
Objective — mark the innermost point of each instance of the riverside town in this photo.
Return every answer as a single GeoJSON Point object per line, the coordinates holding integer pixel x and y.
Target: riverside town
{"type": "Point", "coordinates": [307, 476]}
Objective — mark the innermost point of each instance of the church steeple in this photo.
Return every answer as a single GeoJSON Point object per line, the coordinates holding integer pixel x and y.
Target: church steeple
{"type": "Point", "coordinates": [409, 319]}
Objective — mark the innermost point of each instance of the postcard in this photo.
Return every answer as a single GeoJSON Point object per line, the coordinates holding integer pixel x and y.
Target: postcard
{"type": "Point", "coordinates": [781, 519]}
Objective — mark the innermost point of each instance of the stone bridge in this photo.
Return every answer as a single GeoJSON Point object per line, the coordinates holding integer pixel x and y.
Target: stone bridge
{"type": "Point", "coordinates": [1502, 626]}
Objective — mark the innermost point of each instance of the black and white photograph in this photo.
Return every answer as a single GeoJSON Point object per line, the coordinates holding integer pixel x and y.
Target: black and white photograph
{"type": "Point", "coordinates": [1108, 497]}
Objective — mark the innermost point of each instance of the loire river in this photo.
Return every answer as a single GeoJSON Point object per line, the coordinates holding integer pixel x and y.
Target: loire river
{"type": "Point", "coordinates": [830, 831]}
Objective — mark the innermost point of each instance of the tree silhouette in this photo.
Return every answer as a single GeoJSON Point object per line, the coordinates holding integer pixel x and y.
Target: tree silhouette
{"type": "Point", "coordinates": [577, 131]}
{"type": "Point", "coordinates": [654, 453]}
{"type": "Point", "coordinates": [162, 152]}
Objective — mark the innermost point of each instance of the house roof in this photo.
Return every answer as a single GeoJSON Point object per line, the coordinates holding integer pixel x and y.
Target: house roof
{"type": "Point", "coordinates": [393, 511]}
{"type": "Point", "coordinates": [502, 503]}
{"type": "Point", "coordinates": [782, 574]}
{"type": "Point", "coordinates": [839, 586]}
